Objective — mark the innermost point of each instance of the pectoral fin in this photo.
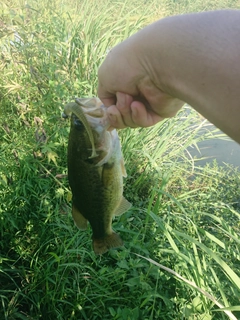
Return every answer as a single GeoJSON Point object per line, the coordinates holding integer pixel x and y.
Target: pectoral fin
{"type": "Point", "coordinates": [123, 207]}
{"type": "Point", "coordinates": [79, 219]}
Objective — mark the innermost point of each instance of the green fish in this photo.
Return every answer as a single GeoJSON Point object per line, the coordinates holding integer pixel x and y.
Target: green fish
{"type": "Point", "coordinates": [95, 172]}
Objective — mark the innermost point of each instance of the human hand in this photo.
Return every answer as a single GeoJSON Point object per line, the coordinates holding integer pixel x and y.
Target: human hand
{"type": "Point", "coordinates": [131, 89]}
{"type": "Point", "coordinates": [128, 112]}
{"type": "Point", "coordinates": [147, 77]}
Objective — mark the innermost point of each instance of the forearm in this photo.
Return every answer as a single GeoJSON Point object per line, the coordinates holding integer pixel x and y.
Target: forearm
{"type": "Point", "coordinates": [196, 58]}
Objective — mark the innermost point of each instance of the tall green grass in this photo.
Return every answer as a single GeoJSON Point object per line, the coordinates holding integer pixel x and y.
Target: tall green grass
{"type": "Point", "coordinates": [181, 256]}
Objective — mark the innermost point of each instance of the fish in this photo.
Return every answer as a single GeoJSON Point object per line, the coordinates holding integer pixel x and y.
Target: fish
{"type": "Point", "coordinates": [95, 172]}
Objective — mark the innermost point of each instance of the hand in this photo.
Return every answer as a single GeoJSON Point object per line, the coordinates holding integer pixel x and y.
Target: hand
{"type": "Point", "coordinates": [132, 113]}
{"type": "Point", "coordinates": [192, 58]}
{"type": "Point", "coordinates": [130, 90]}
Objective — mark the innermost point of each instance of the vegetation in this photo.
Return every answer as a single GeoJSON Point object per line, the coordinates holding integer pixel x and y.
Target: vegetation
{"type": "Point", "coordinates": [181, 258]}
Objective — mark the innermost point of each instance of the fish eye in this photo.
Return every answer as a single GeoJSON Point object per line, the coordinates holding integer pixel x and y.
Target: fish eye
{"type": "Point", "coordinates": [77, 123]}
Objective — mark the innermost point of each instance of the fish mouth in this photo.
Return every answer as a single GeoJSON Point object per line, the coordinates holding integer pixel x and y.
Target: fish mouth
{"type": "Point", "coordinates": [77, 122]}
{"type": "Point", "coordinates": [77, 108]}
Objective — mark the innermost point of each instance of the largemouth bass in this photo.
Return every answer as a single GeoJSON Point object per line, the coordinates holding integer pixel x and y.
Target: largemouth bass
{"type": "Point", "coordinates": [95, 172]}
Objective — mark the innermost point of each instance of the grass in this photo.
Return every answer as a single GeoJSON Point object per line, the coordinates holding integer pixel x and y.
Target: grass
{"type": "Point", "coordinates": [181, 258]}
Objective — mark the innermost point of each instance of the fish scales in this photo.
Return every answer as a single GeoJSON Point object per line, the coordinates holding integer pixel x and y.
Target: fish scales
{"type": "Point", "coordinates": [96, 182]}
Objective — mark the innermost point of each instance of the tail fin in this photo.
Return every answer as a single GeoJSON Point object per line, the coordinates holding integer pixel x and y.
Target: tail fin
{"type": "Point", "coordinates": [101, 246]}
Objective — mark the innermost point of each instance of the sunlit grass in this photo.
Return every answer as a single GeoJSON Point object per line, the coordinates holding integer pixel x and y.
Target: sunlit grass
{"type": "Point", "coordinates": [184, 218]}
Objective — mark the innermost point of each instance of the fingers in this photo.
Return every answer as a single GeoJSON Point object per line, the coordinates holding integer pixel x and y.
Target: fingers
{"type": "Point", "coordinates": [115, 118]}
{"type": "Point", "coordinates": [132, 114]}
{"type": "Point", "coordinates": [120, 115]}
{"type": "Point", "coordinates": [143, 117]}
{"type": "Point", "coordinates": [124, 107]}
{"type": "Point", "coordinates": [145, 106]}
